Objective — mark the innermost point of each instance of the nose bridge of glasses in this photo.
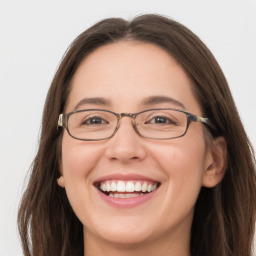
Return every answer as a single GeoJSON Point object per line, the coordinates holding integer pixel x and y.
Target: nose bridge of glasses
{"type": "Point", "coordinates": [121, 115]}
{"type": "Point", "coordinates": [131, 115]}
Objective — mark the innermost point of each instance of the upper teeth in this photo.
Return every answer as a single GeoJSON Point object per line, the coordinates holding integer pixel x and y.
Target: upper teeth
{"type": "Point", "coordinates": [127, 186]}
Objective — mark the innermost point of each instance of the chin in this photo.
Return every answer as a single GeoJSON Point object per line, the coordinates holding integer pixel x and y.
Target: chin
{"type": "Point", "coordinates": [124, 236]}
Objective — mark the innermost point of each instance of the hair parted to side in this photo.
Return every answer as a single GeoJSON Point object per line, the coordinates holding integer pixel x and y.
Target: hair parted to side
{"type": "Point", "coordinates": [224, 218]}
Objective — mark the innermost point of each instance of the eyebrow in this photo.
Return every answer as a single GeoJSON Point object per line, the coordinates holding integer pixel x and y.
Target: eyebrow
{"type": "Point", "coordinates": [95, 101]}
{"type": "Point", "coordinates": [161, 99]}
{"type": "Point", "coordinates": [152, 100]}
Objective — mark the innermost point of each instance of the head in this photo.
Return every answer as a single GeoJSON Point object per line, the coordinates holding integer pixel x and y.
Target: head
{"type": "Point", "coordinates": [215, 212]}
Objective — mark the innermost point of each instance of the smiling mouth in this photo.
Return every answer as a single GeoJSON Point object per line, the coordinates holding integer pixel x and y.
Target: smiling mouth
{"type": "Point", "coordinates": [126, 189]}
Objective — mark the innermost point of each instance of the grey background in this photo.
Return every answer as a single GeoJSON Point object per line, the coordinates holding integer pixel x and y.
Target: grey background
{"type": "Point", "coordinates": [35, 34]}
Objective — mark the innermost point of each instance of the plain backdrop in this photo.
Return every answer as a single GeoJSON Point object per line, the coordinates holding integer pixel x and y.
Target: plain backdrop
{"type": "Point", "coordinates": [35, 34]}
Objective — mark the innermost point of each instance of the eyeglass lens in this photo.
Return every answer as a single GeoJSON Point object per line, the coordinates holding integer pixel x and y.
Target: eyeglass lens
{"type": "Point", "coordinates": [100, 124]}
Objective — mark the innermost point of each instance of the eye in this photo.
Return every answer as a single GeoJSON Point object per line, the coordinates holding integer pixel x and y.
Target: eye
{"type": "Point", "coordinates": [161, 120]}
{"type": "Point", "coordinates": [95, 120]}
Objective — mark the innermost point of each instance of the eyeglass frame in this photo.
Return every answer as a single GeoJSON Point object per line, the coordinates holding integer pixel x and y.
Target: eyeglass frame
{"type": "Point", "coordinates": [190, 118]}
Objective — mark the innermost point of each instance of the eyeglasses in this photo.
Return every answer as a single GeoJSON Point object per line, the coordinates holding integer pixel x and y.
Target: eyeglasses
{"type": "Point", "coordinates": [101, 124]}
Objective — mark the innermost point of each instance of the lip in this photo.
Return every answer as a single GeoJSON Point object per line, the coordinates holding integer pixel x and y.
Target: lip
{"type": "Point", "coordinates": [125, 202]}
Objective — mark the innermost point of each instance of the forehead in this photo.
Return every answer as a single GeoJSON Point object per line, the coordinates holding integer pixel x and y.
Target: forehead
{"type": "Point", "coordinates": [127, 72]}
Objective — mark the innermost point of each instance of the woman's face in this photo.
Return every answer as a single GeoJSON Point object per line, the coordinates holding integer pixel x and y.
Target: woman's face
{"type": "Point", "coordinates": [130, 77]}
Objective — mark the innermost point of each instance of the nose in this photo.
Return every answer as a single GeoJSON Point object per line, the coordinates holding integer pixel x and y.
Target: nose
{"type": "Point", "coordinates": [126, 144]}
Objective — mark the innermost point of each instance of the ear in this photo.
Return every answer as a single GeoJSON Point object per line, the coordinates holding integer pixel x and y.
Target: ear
{"type": "Point", "coordinates": [60, 180]}
{"type": "Point", "coordinates": [216, 163]}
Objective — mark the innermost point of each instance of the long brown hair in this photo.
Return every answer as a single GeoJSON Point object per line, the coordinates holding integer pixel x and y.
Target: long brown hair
{"type": "Point", "coordinates": [224, 217]}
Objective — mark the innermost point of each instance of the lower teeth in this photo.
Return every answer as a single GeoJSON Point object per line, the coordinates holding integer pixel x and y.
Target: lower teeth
{"type": "Point", "coordinates": [116, 195]}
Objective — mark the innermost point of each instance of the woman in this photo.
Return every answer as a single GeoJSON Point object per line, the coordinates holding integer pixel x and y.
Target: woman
{"type": "Point", "coordinates": [150, 155]}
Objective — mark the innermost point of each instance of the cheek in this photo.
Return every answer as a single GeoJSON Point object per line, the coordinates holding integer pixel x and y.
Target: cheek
{"type": "Point", "coordinates": [182, 156]}
{"type": "Point", "coordinates": [78, 161]}
{"type": "Point", "coordinates": [183, 164]}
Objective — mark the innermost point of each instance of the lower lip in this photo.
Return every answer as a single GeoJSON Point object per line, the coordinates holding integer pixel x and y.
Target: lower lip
{"type": "Point", "coordinates": [126, 202]}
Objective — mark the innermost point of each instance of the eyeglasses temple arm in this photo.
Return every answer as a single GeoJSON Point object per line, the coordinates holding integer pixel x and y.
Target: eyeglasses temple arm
{"type": "Point", "coordinates": [206, 121]}
{"type": "Point", "coordinates": [60, 121]}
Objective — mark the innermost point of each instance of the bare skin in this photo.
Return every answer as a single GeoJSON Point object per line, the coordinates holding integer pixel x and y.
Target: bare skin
{"type": "Point", "coordinates": [125, 75]}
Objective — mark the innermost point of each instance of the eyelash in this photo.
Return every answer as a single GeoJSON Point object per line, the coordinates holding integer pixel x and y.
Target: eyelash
{"type": "Point", "coordinates": [85, 122]}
